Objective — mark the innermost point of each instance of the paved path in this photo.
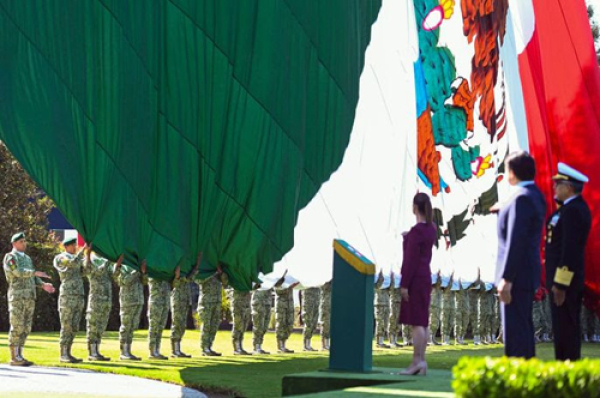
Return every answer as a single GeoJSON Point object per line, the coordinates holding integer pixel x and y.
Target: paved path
{"type": "Point", "coordinates": [61, 382]}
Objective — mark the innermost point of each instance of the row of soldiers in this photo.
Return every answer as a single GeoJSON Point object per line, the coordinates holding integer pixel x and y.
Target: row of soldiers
{"type": "Point", "coordinates": [455, 306]}
{"type": "Point", "coordinates": [174, 296]}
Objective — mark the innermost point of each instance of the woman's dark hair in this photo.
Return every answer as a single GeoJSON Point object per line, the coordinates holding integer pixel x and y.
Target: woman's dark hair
{"type": "Point", "coordinates": [522, 165]}
{"type": "Point", "coordinates": [423, 204]}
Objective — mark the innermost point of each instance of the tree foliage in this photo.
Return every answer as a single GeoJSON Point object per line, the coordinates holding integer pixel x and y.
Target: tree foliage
{"type": "Point", "coordinates": [24, 207]}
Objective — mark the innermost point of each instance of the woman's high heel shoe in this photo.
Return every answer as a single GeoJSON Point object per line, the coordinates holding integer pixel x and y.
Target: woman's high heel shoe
{"type": "Point", "coordinates": [418, 370]}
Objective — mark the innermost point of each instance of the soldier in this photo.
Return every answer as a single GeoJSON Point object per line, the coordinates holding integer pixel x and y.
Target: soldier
{"type": "Point", "coordinates": [461, 312]}
{"type": "Point", "coordinates": [310, 315]}
{"type": "Point", "coordinates": [596, 336]}
{"type": "Point", "coordinates": [209, 309]}
{"type": "Point", "coordinates": [567, 232]}
{"type": "Point", "coordinates": [71, 299]}
{"type": "Point", "coordinates": [395, 303]}
{"type": "Point", "coordinates": [22, 280]}
{"type": "Point", "coordinates": [485, 305]}
{"type": "Point", "coordinates": [547, 334]}
{"type": "Point", "coordinates": [99, 272]}
{"type": "Point", "coordinates": [158, 313]}
{"type": "Point", "coordinates": [180, 305]}
{"type": "Point", "coordinates": [447, 310]}
{"type": "Point", "coordinates": [435, 308]}
{"type": "Point", "coordinates": [284, 313]}
{"type": "Point", "coordinates": [131, 301]}
{"type": "Point", "coordinates": [325, 315]}
{"type": "Point", "coordinates": [261, 316]}
{"type": "Point", "coordinates": [496, 317]}
{"type": "Point", "coordinates": [538, 314]}
{"type": "Point", "coordinates": [240, 304]}
{"type": "Point", "coordinates": [382, 308]}
{"type": "Point", "coordinates": [475, 311]}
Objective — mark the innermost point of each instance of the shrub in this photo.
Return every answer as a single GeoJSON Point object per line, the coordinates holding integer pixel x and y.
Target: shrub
{"type": "Point", "coordinates": [513, 377]}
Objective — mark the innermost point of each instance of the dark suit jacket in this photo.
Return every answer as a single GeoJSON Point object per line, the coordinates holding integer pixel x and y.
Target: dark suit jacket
{"type": "Point", "coordinates": [520, 226]}
{"type": "Point", "coordinates": [567, 232]}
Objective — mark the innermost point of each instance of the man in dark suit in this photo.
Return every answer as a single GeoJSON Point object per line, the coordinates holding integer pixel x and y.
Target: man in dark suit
{"type": "Point", "coordinates": [518, 268]}
{"type": "Point", "coordinates": [567, 231]}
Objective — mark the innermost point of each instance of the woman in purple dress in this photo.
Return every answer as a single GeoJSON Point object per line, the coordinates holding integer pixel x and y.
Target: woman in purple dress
{"type": "Point", "coordinates": [415, 286]}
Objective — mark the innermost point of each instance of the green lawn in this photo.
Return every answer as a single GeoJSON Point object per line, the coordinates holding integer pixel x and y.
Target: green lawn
{"type": "Point", "coordinates": [255, 376]}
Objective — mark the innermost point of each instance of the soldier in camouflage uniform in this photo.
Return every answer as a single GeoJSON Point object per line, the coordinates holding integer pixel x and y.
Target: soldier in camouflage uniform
{"type": "Point", "coordinates": [158, 313]}
{"type": "Point", "coordinates": [71, 300]}
{"type": "Point", "coordinates": [181, 300]}
{"type": "Point", "coordinates": [495, 316]}
{"type": "Point", "coordinates": [447, 310]}
{"type": "Point", "coordinates": [538, 315]}
{"type": "Point", "coordinates": [310, 315]}
{"type": "Point", "coordinates": [382, 309]}
{"type": "Point", "coordinates": [486, 301]}
{"type": "Point", "coordinates": [395, 304]}
{"type": "Point", "coordinates": [241, 313]}
{"type": "Point", "coordinates": [209, 309]}
{"type": "Point", "coordinates": [435, 308]}
{"type": "Point", "coordinates": [131, 300]}
{"type": "Point", "coordinates": [461, 313]}
{"type": "Point", "coordinates": [284, 316]}
{"type": "Point", "coordinates": [475, 311]}
{"type": "Point", "coordinates": [99, 272]}
{"type": "Point", "coordinates": [325, 315]}
{"type": "Point", "coordinates": [22, 280]}
{"type": "Point", "coordinates": [261, 316]}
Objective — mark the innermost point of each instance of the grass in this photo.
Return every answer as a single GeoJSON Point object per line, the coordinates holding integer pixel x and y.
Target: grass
{"type": "Point", "coordinates": [254, 376]}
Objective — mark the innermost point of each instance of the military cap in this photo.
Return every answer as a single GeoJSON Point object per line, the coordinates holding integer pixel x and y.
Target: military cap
{"type": "Point", "coordinates": [17, 236]}
{"type": "Point", "coordinates": [69, 241]}
{"type": "Point", "coordinates": [567, 173]}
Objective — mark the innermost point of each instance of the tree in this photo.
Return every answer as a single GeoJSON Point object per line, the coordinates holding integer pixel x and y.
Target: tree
{"type": "Point", "coordinates": [595, 31]}
{"type": "Point", "coordinates": [24, 207]}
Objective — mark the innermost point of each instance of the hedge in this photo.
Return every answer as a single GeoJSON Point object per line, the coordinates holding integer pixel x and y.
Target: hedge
{"type": "Point", "coordinates": [513, 377]}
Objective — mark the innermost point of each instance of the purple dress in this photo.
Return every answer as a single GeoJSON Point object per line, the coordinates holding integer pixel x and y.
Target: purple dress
{"type": "Point", "coordinates": [416, 274]}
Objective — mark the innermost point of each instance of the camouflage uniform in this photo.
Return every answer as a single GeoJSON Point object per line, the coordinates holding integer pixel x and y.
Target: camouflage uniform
{"type": "Point", "coordinates": [461, 314]}
{"type": "Point", "coordinates": [284, 313]}
{"type": "Point", "coordinates": [435, 309]}
{"type": "Point", "coordinates": [310, 311]}
{"type": "Point", "coordinates": [395, 305]}
{"type": "Point", "coordinates": [447, 313]}
{"type": "Point", "coordinates": [325, 310]}
{"type": "Point", "coordinates": [131, 301]}
{"type": "Point", "coordinates": [158, 313]}
{"type": "Point", "coordinates": [475, 311]}
{"type": "Point", "coordinates": [240, 304]}
{"type": "Point", "coordinates": [495, 315]}
{"type": "Point", "coordinates": [382, 311]}
{"type": "Point", "coordinates": [99, 272]}
{"type": "Point", "coordinates": [486, 301]}
{"type": "Point", "coordinates": [261, 314]}
{"type": "Point", "coordinates": [209, 309]}
{"type": "Point", "coordinates": [181, 301]}
{"type": "Point", "coordinates": [71, 300]}
{"type": "Point", "coordinates": [19, 272]}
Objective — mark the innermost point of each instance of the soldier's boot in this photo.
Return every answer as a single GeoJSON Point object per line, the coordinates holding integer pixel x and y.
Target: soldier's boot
{"type": "Point", "coordinates": [406, 341]}
{"type": "Point", "coordinates": [93, 354]}
{"type": "Point", "coordinates": [160, 356]}
{"type": "Point", "coordinates": [308, 346]}
{"type": "Point", "coordinates": [15, 358]}
{"type": "Point", "coordinates": [380, 342]}
{"type": "Point", "coordinates": [64, 354]}
{"type": "Point", "coordinates": [393, 342]}
{"type": "Point", "coordinates": [259, 350]}
{"type": "Point", "coordinates": [324, 344]}
{"type": "Point", "coordinates": [596, 338]}
{"type": "Point", "coordinates": [281, 348]}
{"type": "Point", "coordinates": [446, 340]}
{"type": "Point", "coordinates": [126, 354]}
{"type": "Point", "coordinates": [537, 339]}
{"type": "Point", "coordinates": [585, 338]}
{"type": "Point", "coordinates": [155, 352]}
{"type": "Point", "coordinates": [214, 353]}
{"type": "Point", "coordinates": [206, 352]}
{"type": "Point", "coordinates": [238, 350]}
{"type": "Point", "coordinates": [176, 350]}
{"type": "Point", "coordinates": [477, 340]}
{"type": "Point", "coordinates": [430, 340]}
{"type": "Point", "coordinates": [20, 353]}
{"type": "Point", "coordinates": [494, 339]}
{"type": "Point", "coordinates": [102, 357]}
{"type": "Point", "coordinates": [75, 360]}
